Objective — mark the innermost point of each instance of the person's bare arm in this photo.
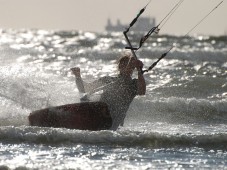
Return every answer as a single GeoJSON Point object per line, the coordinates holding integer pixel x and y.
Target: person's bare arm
{"type": "Point", "coordinates": [141, 84]}
{"type": "Point", "coordinates": [83, 86]}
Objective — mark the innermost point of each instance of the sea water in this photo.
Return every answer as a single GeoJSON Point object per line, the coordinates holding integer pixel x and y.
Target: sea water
{"type": "Point", "coordinates": [181, 122]}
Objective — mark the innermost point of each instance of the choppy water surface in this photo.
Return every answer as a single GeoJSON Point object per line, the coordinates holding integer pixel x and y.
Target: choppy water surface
{"type": "Point", "coordinates": [180, 123]}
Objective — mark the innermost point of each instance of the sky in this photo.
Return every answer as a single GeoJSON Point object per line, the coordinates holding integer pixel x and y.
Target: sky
{"type": "Point", "coordinates": [92, 15]}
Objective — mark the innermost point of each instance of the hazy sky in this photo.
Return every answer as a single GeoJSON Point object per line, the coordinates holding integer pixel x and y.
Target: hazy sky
{"type": "Point", "coordinates": [92, 15]}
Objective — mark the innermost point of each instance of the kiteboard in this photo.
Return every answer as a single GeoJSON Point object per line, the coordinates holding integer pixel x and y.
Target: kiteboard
{"type": "Point", "coordinates": [83, 116]}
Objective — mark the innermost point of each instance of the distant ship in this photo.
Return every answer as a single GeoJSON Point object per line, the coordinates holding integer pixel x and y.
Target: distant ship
{"type": "Point", "coordinates": [143, 24]}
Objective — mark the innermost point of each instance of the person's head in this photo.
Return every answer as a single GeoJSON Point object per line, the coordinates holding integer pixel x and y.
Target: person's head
{"type": "Point", "coordinates": [126, 64]}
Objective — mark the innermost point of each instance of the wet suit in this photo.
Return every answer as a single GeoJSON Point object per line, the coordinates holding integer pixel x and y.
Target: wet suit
{"type": "Point", "coordinates": [118, 95]}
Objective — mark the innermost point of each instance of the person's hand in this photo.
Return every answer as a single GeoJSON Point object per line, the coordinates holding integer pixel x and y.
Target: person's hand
{"type": "Point", "coordinates": [76, 71]}
{"type": "Point", "coordinates": [138, 64]}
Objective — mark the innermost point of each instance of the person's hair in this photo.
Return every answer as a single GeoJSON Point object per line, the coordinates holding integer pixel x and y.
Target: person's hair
{"type": "Point", "coordinates": [123, 60]}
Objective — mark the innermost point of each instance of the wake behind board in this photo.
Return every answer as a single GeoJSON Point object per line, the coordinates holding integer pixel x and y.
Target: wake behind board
{"type": "Point", "coordinates": [83, 116]}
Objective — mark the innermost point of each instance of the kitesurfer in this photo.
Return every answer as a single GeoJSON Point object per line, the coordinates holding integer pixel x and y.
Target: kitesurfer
{"type": "Point", "coordinates": [118, 92]}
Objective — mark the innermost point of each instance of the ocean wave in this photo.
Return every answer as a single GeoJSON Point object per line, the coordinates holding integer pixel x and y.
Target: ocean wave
{"type": "Point", "coordinates": [201, 87]}
{"type": "Point", "coordinates": [70, 43]}
{"type": "Point", "coordinates": [119, 138]}
{"type": "Point", "coordinates": [179, 110]}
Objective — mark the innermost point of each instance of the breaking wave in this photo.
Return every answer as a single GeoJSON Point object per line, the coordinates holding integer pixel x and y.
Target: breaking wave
{"type": "Point", "coordinates": [121, 138]}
